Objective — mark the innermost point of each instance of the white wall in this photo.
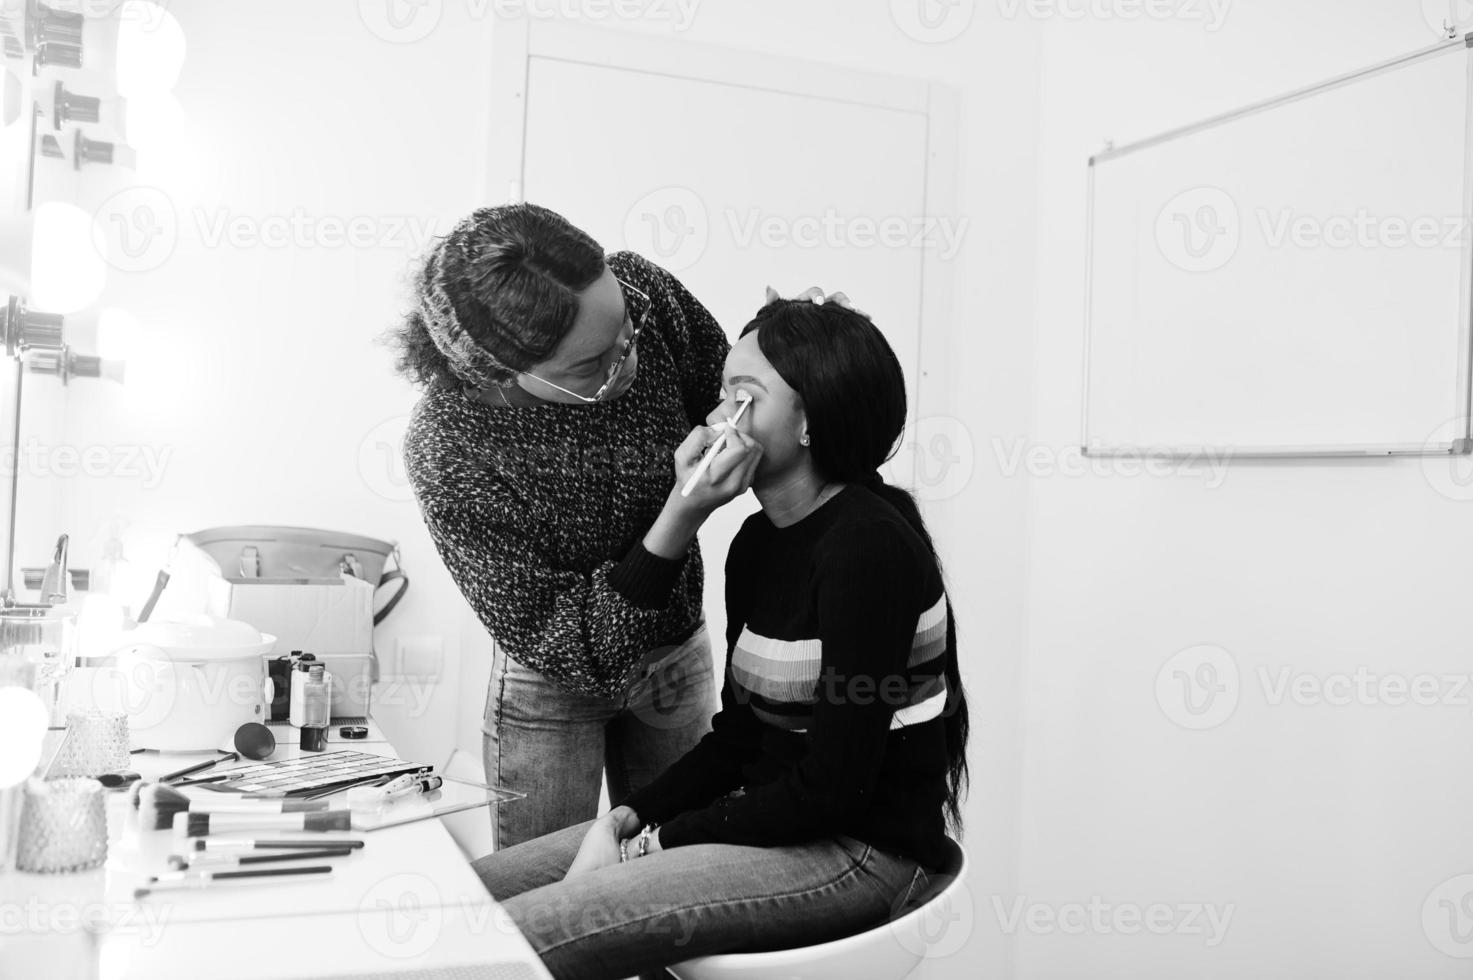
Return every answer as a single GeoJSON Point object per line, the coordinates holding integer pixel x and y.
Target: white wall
{"type": "Point", "coordinates": [256, 370]}
{"type": "Point", "coordinates": [1321, 829]}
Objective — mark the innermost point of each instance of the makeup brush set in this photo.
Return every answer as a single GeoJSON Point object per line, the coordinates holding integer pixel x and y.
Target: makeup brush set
{"type": "Point", "coordinates": [197, 809]}
{"type": "Point", "coordinates": [242, 824]}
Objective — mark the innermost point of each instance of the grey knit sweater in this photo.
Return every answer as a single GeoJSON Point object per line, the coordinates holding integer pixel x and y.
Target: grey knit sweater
{"type": "Point", "coordinates": [539, 511]}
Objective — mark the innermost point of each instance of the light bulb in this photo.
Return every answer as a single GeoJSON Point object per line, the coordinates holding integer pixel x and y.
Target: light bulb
{"type": "Point", "coordinates": [116, 329]}
{"type": "Point", "coordinates": [22, 734]}
{"type": "Point", "coordinates": [67, 268]}
{"type": "Point", "coordinates": [10, 97]}
{"type": "Point", "coordinates": [150, 49]}
{"type": "Point", "coordinates": [154, 123]}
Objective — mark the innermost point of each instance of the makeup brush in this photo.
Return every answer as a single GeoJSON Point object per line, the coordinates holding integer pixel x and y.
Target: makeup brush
{"type": "Point", "coordinates": [228, 844]}
{"type": "Point", "coordinates": [206, 861]}
{"type": "Point", "coordinates": [713, 450]}
{"type": "Point", "coordinates": [180, 880]}
{"type": "Point", "coordinates": [191, 824]}
{"type": "Point", "coordinates": [157, 805]}
{"type": "Point", "coordinates": [200, 767]}
{"type": "Point", "coordinates": [160, 582]}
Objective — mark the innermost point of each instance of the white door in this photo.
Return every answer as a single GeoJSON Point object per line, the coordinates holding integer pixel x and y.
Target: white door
{"type": "Point", "coordinates": [734, 171]}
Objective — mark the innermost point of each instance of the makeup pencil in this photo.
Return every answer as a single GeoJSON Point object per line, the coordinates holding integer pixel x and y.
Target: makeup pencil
{"type": "Point", "coordinates": [715, 448]}
{"type": "Point", "coordinates": [182, 881]}
{"type": "Point", "coordinates": [218, 859]}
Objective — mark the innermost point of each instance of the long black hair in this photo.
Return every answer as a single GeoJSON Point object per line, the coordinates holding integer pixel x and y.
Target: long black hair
{"type": "Point", "coordinates": [511, 273]}
{"type": "Point", "coordinates": [853, 392]}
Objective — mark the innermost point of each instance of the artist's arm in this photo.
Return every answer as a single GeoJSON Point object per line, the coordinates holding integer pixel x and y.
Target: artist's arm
{"type": "Point", "coordinates": [588, 630]}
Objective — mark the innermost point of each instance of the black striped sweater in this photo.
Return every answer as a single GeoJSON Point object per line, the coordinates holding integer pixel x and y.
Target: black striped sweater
{"type": "Point", "coordinates": [539, 511]}
{"type": "Point", "coordinates": [833, 705]}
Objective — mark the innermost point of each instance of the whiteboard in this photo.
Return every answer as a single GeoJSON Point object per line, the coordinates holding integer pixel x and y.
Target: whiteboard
{"type": "Point", "coordinates": [1291, 278]}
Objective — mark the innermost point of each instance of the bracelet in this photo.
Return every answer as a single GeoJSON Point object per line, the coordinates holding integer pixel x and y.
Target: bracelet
{"type": "Point", "coordinates": [623, 850]}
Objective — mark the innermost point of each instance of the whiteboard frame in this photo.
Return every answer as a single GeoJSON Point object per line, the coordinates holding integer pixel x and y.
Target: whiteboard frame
{"type": "Point", "coordinates": [1460, 445]}
{"type": "Point", "coordinates": [515, 42]}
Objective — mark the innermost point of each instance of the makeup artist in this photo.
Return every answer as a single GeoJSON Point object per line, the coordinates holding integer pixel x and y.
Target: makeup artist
{"type": "Point", "coordinates": [557, 384]}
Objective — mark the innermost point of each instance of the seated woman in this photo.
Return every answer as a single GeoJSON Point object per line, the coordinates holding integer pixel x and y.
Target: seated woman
{"type": "Point", "coordinates": [819, 801]}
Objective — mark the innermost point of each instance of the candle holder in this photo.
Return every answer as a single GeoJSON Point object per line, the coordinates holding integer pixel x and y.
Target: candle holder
{"type": "Point", "coordinates": [63, 826]}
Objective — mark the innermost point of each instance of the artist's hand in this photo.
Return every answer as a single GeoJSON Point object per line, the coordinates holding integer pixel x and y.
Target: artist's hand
{"type": "Point", "coordinates": [600, 846]}
{"type": "Point", "coordinates": [815, 294]}
{"type": "Point", "coordinates": [729, 475]}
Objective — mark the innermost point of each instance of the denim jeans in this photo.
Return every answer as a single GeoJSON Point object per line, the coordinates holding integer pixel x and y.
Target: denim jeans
{"type": "Point", "coordinates": [556, 746]}
{"type": "Point", "coordinates": [671, 906]}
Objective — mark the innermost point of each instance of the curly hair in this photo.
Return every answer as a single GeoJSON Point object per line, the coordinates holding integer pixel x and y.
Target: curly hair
{"type": "Point", "coordinates": [500, 288]}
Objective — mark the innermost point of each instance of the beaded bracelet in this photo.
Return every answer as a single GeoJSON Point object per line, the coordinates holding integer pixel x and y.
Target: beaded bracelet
{"type": "Point", "coordinates": [623, 850]}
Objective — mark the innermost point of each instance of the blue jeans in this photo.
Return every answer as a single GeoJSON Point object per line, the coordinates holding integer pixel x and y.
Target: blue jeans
{"type": "Point", "coordinates": [556, 746]}
{"type": "Point", "coordinates": [639, 917]}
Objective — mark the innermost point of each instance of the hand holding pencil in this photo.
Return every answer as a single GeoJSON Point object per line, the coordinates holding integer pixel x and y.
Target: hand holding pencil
{"type": "Point", "coordinates": [728, 430]}
{"type": "Point", "coordinates": [716, 463]}
{"type": "Point", "coordinates": [713, 466]}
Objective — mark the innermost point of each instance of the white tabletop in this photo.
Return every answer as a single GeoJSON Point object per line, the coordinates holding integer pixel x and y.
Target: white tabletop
{"type": "Point", "coordinates": [406, 901]}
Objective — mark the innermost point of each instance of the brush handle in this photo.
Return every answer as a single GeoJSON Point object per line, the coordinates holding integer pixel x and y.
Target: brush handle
{"type": "Point", "coordinates": [206, 862]}
{"type": "Point", "coordinates": [200, 824]}
{"type": "Point", "coordinates": [228, 805]}
{"type": "Point", "coordinates": [200, 767]}
{"type": "Point", "coordinates": [153, 597]}
{"type": "Point", "coordinates": [183, 880]}
{"type": "Point", "coordinates": [228, 845]}
{"type": "Point", "coordinates": [713, 451]}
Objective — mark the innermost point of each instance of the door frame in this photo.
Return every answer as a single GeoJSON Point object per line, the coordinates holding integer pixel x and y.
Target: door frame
{"type": "Point", "coordinates": [516, 41]}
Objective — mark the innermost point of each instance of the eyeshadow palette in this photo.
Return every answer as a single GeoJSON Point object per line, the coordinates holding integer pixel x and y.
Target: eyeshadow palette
{"type": "Point", "coordinates": [293, 777]}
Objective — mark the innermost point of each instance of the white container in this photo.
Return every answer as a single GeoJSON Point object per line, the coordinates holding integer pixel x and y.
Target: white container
{"type": "Point", "coordinates": [189, 683]}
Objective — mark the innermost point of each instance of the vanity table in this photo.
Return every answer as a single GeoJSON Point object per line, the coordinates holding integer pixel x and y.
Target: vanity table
{"type": "Point", "coordinates": [406, 904]}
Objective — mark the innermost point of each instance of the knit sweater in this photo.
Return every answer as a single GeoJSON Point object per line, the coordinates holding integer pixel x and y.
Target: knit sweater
{"type": "Point", "coordinates": [833, 704]}
{"type": "Point", "coordinates": [539, 511]}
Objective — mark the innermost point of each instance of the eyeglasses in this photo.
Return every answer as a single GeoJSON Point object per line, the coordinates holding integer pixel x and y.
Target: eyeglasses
{"type": "Point", "coordinates": [618, 365]}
